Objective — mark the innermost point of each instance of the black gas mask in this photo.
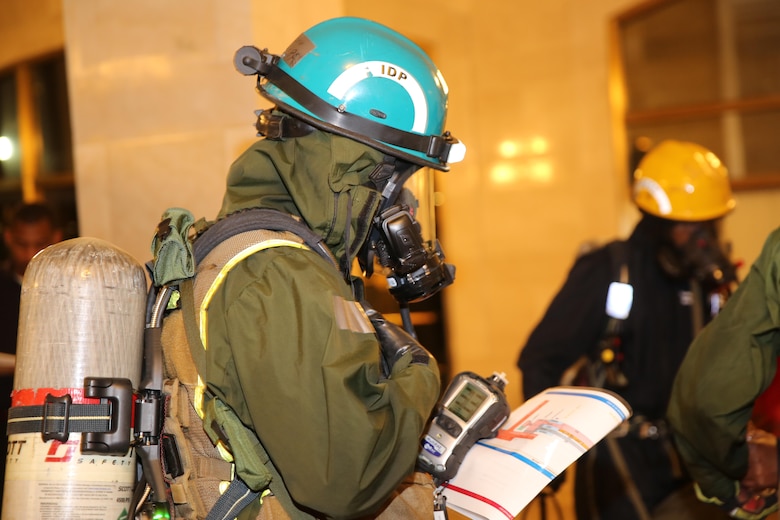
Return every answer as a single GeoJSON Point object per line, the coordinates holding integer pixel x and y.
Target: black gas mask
{"type": "Point", "coordinates": [702, 257]}
{"type": "Point", "coordinates": [402, 238]}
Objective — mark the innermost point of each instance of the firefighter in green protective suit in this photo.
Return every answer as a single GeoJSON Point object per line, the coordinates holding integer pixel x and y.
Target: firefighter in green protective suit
{"type": "Point", "coordinates": [726, 370]}
{"type": "Point", "coordinates": [337, 396]}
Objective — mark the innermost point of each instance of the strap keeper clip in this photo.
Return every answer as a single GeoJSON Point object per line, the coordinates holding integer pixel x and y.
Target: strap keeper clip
{"type": "Point", "coordinates": [49, 406]}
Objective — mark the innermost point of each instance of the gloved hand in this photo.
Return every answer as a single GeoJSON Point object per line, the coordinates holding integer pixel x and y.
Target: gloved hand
{"type": "Point", "coordinates": [762, 461]}
{"type": "Point", "coordinates": [395, 341]}
{"type": "Point", "coordinates": [756, 495]}
{"type": "Point", "coordinates": [746, 505]}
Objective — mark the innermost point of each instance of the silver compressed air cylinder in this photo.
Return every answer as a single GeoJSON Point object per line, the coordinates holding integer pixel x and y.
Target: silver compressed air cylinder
{"type": "Point", "coordinates": [81, 315]}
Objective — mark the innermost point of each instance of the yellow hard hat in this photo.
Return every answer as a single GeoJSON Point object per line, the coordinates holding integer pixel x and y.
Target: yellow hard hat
{"type": "Point", "coordinates": [678, 180]}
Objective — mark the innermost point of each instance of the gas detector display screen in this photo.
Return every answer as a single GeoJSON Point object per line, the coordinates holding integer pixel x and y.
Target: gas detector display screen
{"type": "Point", "coordinates": [467, 401]}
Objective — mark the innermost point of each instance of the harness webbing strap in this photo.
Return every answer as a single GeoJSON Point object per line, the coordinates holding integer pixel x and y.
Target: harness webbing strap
{"type": "Point", "coordinates": [243, 232]}
{"type": "Point", "coordinates": [236, 497]}
{"type": "Point", "coordinates": [59, 418]}
{"type": "Point", "coordinates": [254, 219]}
{"type": "Point", "coordinates": [191, 326]}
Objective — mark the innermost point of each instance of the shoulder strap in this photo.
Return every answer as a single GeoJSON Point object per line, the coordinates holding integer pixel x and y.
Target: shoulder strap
{"type": "Point", "coordinates": [607, 369]}
{"type": "Point", "coordinates": [191, 325]}
{"type": "Point", "coordinates": [256, 219]}
{"type": "Point", "coordinates": [618, 259]}
{"type": "Point", "coordinates": [223, 240]}
{"type": "Point", "coordinates": [176, 257]}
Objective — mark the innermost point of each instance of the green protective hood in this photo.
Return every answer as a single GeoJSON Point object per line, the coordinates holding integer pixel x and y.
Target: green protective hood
{"type": "Point", "coordinates": [321, 178]}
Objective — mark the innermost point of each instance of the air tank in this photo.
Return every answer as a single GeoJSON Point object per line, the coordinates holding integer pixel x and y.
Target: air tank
{"type": "Point", "coordinates": [81, 316]}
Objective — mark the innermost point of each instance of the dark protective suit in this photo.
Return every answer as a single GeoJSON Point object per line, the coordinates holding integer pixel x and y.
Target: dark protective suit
{"type": "Point", "coordinates": [284, 352]}
{"type": "Point", "coordinates": [728, 366]}
{"type": "Point", "coordinates": [654, 340]}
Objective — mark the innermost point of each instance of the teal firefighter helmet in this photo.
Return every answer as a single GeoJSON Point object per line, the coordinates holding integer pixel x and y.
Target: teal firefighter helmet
{"type": "Point", "coordinates": [362, 80]}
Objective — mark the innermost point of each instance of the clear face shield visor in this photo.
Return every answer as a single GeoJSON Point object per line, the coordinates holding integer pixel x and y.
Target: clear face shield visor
{"type": "Point", "coordinates": [405, 243]}
{"type": "Point", "coordinates": [418, 194]}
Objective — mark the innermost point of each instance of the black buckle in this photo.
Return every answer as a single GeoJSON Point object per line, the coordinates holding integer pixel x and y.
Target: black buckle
{"type": "Point", "coordinates": [118, 393]}
{"type": "Point", "coordinates": [276, 127]}
{"type": "Point", "coordinates": [269, 125]}
{"type": "Point", "coordinates": [50, 405]}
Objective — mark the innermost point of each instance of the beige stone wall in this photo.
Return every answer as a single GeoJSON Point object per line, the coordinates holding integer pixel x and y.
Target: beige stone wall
{"type": "Point", "coordinates": [159, 113]}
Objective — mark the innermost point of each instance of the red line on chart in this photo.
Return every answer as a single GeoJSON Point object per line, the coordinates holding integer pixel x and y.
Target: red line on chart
{"type": "Point", "coordinates": [508, 434]}
{"type": "Point", "coordinates": [482, 499]}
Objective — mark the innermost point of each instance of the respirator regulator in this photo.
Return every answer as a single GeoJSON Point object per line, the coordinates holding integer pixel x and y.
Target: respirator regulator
{"type": "Point", "coordinates": [706, 259]}
{"type": "Point", "coordinates": [403, 239]}
{"type": "Point", "coordinates": [703, 257]}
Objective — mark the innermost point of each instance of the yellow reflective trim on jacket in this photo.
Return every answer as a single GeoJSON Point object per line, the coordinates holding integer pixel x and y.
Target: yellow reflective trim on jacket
{"type": "Point", "coordinates": [203, 311]}
{"type": "Point", "coordinates": [197, 399]}
{"type": "Point", "coordinates": [230, 264]}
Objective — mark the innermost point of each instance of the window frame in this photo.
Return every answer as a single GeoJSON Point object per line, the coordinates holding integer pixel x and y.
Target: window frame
{"type": "Point", "coordinates": [626, 119]}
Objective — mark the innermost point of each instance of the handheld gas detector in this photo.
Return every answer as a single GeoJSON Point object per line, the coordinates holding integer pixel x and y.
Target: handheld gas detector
{"type": "Point", "coordinates": [472, 408]}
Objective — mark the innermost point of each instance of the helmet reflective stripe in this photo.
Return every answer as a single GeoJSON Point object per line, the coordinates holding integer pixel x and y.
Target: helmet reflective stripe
{"type": "Point", "coordinates": [656, 192]}
{"type": "Point", "coordinates": [368, 69]}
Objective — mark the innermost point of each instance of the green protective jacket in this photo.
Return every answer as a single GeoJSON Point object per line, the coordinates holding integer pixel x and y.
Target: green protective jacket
{"type": "Point", "coordinates": [729, 364]}
{"type": "Point", "coordinates": [292, 353]}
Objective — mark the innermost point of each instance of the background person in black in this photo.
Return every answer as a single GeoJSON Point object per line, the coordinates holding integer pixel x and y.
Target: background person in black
{"type": "Point", "coordinates": [677, 268]}
{"type": "Point", "coordinates": [32, 227]}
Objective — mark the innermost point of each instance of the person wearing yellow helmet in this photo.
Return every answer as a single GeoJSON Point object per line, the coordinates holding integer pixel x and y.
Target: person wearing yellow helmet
{"type": "Point", "coordinates": [682, 181]}
{"type": "Point", "coordinates": [686, 187]}
{"type": "Point", "coordinates": [623, 320]}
